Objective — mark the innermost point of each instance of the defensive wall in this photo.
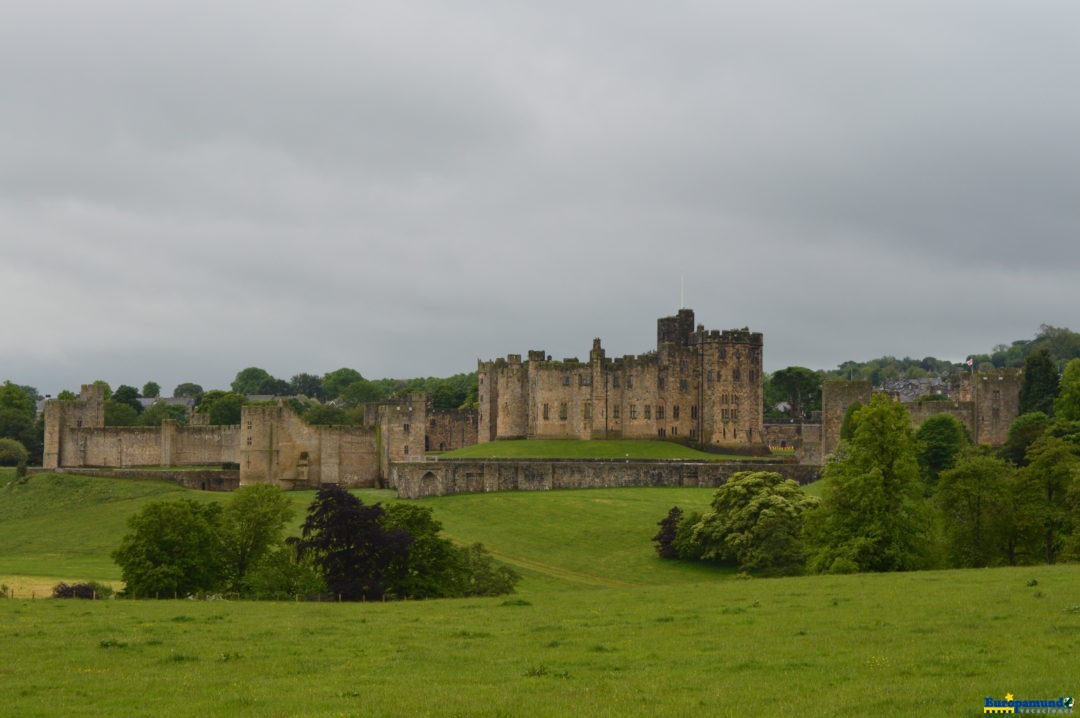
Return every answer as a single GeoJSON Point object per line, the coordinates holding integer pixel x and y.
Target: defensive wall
{"type": "Point", "coordinates": [415, 480]}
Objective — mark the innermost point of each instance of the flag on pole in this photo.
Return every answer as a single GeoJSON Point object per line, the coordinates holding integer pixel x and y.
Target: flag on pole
{"type": "Point", "coordinates": [971, 362]}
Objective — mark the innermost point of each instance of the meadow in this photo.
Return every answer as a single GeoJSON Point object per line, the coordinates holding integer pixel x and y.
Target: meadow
{"type": "Point", "coordinates": [599, 626]}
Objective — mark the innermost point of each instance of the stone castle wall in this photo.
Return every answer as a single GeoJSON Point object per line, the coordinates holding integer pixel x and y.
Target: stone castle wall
{"type": "Point", "coordinates": [439, 478]}
{"type": "Point", "coordinates": [450, 429]}
{"type": "Point", "coordinates": [836, 396]}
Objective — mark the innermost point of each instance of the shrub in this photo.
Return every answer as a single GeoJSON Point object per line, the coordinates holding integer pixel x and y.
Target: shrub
{"type": "Point", "coordinates": [665, 537]}
{"type": "Point", "coordinates": [12, 453]}
{"type": "Point", "coordinates": [88, 590]}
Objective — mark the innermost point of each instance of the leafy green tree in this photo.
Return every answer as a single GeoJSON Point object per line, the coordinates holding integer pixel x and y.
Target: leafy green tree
{"type": "Point", "coordinates": [1052, 468]}
{"type": "Point", "coordinates": [1023, 432]}
{"type": "Point", "coordinates": [13, 423]}
{"type": "Point", "coordinates": [940, 439]}
{"type": "Point", "coordinates": [252, 525]}
{"type": "Point", "coordinates": [326, 415]}
{"type": "Point", "coordinates": [13, 397]}
{"type": "Point", "coordinates": [478, 574]}
{"type": "Point", "coordinates": [801, 388]}
{"type": "Point", "coordinates": [873, 515]}
{"type": "Point", "coordinates": [254, 380]}
{"type": "Point", "coordinates": [159, 412]}
{"type": "Point", "coordinates": [334, 382]}
{"type": "Point", "coordinates": [281, 575]}
{"type": "Point", "coordinates": [975, 498]}
{"type": "Point", "coordinates": [172, 548]}
{"type": "Point", "coordinates": [120, 414]}
{"type": "Point", "coordinates": [1040, 384]}
{"type": "Point", "coordinates": [756, 523]}
{"type": "Point", "coordinates": [360, 392]}
{"type": "Point", "coordinates": [847, 426]}
{"type": "Point", "coordinates": [189, 390]}
{"type": "Point", "coordinates": [348, 542]}
{"type": "Point", "coordinates": [66, 395]}
{"type": "Point", "coordinates": [129, 395]}
{"type": "Point", "coordinates": [13, 453]}
{"type": "Point", "coordinates": [307, 385]}
{"type": "Point", "coordinates": [427, 569]}
{"type": "Point", "coordinates": [1067, 404]}
{"type": "Point", "coordinates": [151, 390]}
{"type": "Point", "coordinates": [223, 407]}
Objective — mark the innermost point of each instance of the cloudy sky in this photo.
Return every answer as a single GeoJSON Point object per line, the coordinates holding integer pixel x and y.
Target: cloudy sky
{"type": "Point", "coordinates": [190, 188]}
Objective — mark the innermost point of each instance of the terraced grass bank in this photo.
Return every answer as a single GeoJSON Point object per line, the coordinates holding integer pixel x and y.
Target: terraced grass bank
{"type": "Point", "coordinates": [600, 449]}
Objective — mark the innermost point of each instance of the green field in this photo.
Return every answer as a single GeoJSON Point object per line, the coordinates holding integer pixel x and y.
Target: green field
{"type": "Point", "coordinates": [575, 449]}
{"type": "Point", "coordinates": [599, 626]}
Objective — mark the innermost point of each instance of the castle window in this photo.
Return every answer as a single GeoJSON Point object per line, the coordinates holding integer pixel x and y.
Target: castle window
{"type": "Point", "coordinates": [405, 428]}
{"type": "Point", "coordinates": [547, 412]}
{"type": "Point", "coordinates": [249, 441]}
{"type": "Point", "coordinates": [249, 426]}
{"type": "Point", "coordinates": [709, 376]}
{"type": "Point", "coordinates": [566, 380]}
{"type": "Point", "coordinates": [660, 431]}
{"type": "Point", "coordinates": [675, 413]}
{"type": "Point", "coordinates": [586, 380]}
{"type": "Point", "coordinates": [562, 411]}
{"type": "Point", "coordinates": [725, 415]}
{"type": "Point", "coordinates": [674, 431]}
{"type": "Point", "coordinates": [682, 384]}
{"type": "Point", "coordinates": [432, 423]}
{"type": "Point", "coordinates": [615, 380]}
{"type": "Point", "coordinates": [734, 414]}
{"type": "Point", "coordinates": [682, 367]}
{"type": "Point", "coordinates": [648, 411]}
{"type": "Point", "coordinates": [587, 411]}
{"type": "Point", "coordinates": [615, 412]}
{"type": "Point", "coordinates": [722, 353]}
{"type": "Point", "coordinates": [735, 375]}
{"type": "Point", "coordinates": [693, 411]}
{"type": "Point", "coordinates": [633, 411]}
{"type": "Point", "coordinates": [629, 381]}
{"type": "Point", "coordinates": [660, 412]}
{"type": "Point", "coordinates": [406, 449]}
{"type": "Point", "coordinates": [660, 382]}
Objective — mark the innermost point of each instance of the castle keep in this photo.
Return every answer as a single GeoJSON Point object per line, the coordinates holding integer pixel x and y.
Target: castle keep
{"type": "Point", "coordinates": [699, 386]}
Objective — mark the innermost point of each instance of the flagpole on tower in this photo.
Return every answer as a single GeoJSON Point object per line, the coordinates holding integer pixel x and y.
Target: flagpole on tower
{"type": "Point", "coordinates": [682, 292]}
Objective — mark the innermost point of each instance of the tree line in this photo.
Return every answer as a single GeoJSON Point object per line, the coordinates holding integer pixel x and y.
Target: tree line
{"type": "Point", "coordinates": [895, 499]}
{"type": "Point", "coordinates": [347, 551]}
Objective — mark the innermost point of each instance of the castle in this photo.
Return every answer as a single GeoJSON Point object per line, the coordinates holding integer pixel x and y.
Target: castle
{"type": "Point", "coordinates": [698, 386]}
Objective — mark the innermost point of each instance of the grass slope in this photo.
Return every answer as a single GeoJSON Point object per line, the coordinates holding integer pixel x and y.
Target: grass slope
{"type": "Point", "coordinates": [599, 627]}
{"type": "Point", "coordinates": [575, 449]}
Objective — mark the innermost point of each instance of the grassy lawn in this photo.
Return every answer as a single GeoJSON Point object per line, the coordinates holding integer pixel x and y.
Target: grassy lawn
{"type": "Point", "coordinates": [575, 449]}
{"type": "Point", "coordinates": [599, 626]}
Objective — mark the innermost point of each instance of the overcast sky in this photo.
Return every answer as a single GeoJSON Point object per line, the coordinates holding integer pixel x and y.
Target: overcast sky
{"type": "Point", "coordinates": [191, 188]}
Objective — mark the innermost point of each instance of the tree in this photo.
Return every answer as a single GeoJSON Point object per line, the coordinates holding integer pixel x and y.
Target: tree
{"type": "Point", "coordinates": [1023, 432]}
{"type": "Point", "coordinates": [756, 523]}
{"type": "Point", "coordinates": [13, 423]}
{"type": "Point", "coordinates": [252, 524]}
{"type": "Point", "coordinates": [223, 407]}
{"type": "Point", "coordinates": [428, 568]}
{"type": "Point", "coordinates": [360, 392]}
{"type": "Point", "coordinates": [847, 426]}
{"type": "Point", "coordinates": [323, 414]}
{"type": "Point", "coordinates": [974, 497]}
{"type": "Point", "coordinates": [120, 414]}
{"type": "Point", "coordinates": [307, 385]}
{"type": "Point", "coordinates": [350, 545]}
{"type": "Point", "coordinates": [940, 439]}
{"type": "Point", "coordinates": [334, 382]}
{"type": "Point", "coordinates": [12, 396]}
{"type": "Point", "coordinates": [665, 537]}
{"type": "Point", "coordinates": [254, 380]}
{"type": "Point", "coordinates": [13, 453]}
{"type": "Point", "coordinates": [189, 390]}
{"type": "Point", "coordinates": [172, 548]}
{"type": "Point", "coordinates": [1040, 384]}
{"type": "Point", "coordinates": [129, 395]}
{"type": "Point", "coordinates": [151, 390]}
{"type": "Point", "coordinates": [873, 515]}
{"type": "Point", "coordinates": [1067, 404]}
{"type": "Point", "coordinates": [801, 387]}
{"type": "Point", "coordinates": [159, 412]}
{"type": "Point", "coordinates": [1052, 468]}
{"type": "Point", "coordinates": [104, 387]}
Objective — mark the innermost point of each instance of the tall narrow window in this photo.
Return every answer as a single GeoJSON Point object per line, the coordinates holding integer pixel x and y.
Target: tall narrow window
{"type": "Point", "coordinates": [675, 413]}
{"type": "Point", "coordinates": [566, 380]}
{"type": "Point", "coordinates": [693, 411]}
{"type": "Point", "coordinates": [682, 384]}
{"type": "Point", "coordinates": [615, 380]}
{"type": "Point", "coordinates": [562, 411]}
{"type": "Point", "coordinates": [648, 411]}
{"type": "Point", "coordinates": [587, 411]}
{"type": "Point", "coordinates": [659, 412]}
{"type": "Point", "coordinates": [633, 411]}
{"type": "Point", "coordinates": [615, 412]}
{"type": "Point", "coordinates": [660, 382]}
{"type": "Point", "coordinates": [547, 412]}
